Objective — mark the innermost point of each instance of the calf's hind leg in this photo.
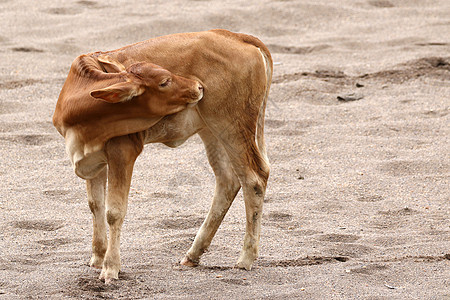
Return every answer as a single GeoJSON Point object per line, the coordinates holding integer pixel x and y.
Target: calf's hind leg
{"type": "Point", "coordinates": [227, 186]}
{"type": "Point", "coordinates": [252, 168]}
{"type": "Point", "coordinates": [121, 153]}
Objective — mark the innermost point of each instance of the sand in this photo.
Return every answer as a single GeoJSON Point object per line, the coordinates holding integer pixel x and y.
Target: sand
{"type": "Point", "coordinates": [358, 199]}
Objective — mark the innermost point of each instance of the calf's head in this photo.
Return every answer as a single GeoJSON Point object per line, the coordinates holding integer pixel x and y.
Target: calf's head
{"type": "Point", "coordinates": [161, 91]}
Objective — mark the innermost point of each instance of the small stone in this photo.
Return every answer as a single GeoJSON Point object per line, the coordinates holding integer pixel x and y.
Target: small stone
{"type": "Point", "coordinates": [350, 97]}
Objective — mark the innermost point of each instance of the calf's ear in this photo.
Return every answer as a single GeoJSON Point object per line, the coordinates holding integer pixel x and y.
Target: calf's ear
{"type": "Point", "coordinates": [111, 65]}
{"type": "Point", "coordinates": [119, 92]}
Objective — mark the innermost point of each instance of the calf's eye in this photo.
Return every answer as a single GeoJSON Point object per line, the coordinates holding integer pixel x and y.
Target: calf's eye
{"type": "Point", "coordinates": [165, 82]}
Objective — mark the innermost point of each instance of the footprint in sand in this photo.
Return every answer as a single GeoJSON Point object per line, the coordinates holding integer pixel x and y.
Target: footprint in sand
{"type": "Point", "coordinates": [235, 281]}
{"type": "Point", "coordinates": [279, 217]}
{"type": "Point", "coordinates": [29, 139]}
{"type": "Point", "coordinates": [55, 242]}
{"type": "Point", "coordinates": [437, 113]}
{"type": "Point", "coordinates": [64, 10]}
{"type": "Point", "coordinates": [180, 223]}
{"type": "Point", "coordinates": [15, 84]}
{"type": "Point", "coordinates": [369, 269]}
{"type": "Point", "coordinates": [304, 261]}
{"type": "Point", "coordinates": [55, 193]}
{"type": "Point", "coordinates": [274, 48]}
{"type": "Point", "coordinates": [177, 244]}
{"type": "Point", "coordinates": [271, 123]}
{"type": "Point", "coordinates": [408, 168]}
{"type": "Point", "coordinates": [90, 4]}
{"type": "Point", "coordinates": [338, 238]}
{"type": "Point", "coordinates": [381, 3]}
{"type": "Point", "coordinates": [43, 225]}
{"type": "Point", "coordinates": [370, 198]}
{"type": "Point", "coordinates": [393, 219]}
{"type": "Point", "coordinates": [26, 49]}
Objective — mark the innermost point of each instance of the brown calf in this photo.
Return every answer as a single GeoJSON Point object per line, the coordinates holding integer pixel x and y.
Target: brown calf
{"type": "Point", "coordinates": [219, 91]}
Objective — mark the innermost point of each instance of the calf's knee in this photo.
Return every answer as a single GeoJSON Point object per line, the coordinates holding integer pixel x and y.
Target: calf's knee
{"type": "Point", "coordinates": [114, 215]}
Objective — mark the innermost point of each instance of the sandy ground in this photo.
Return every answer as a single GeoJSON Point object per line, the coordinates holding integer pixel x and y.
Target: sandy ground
{"type": "Point", "coordinates": [358, 200]}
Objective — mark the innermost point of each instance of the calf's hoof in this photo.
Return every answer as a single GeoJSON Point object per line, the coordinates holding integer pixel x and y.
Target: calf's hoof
{"type": "Point", "coordinates": [109, 281]}
{"type": "Point", "coordinates": [244, 263]}
{"type": "Point", "coordinates": [96, 262]}
{"type": "Point", "coordinates": [186, 261]}
{"type": "Point", "coordinates": [109, 275]}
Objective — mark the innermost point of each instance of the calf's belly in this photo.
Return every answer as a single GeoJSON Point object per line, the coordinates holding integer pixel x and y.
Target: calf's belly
{"type": "Point", "coordinates": [174, 130]}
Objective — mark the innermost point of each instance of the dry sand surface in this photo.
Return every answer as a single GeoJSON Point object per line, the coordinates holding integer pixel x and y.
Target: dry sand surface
{"type": "Point", "coordinates": [358, 199]}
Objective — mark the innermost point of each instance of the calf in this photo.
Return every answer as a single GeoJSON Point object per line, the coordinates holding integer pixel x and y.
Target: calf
{"type": "Point", "coordinates": [212, 83]}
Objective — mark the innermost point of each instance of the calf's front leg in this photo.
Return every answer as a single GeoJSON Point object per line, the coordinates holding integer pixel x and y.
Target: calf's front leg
{"type": "Point", "coordinates": [96, 188]}
{"type": "Point", "coordinates": [121, 154]}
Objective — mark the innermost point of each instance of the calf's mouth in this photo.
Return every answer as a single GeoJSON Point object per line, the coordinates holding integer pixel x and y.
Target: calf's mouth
{"type": "Point", "coordinates": [197, 95]}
